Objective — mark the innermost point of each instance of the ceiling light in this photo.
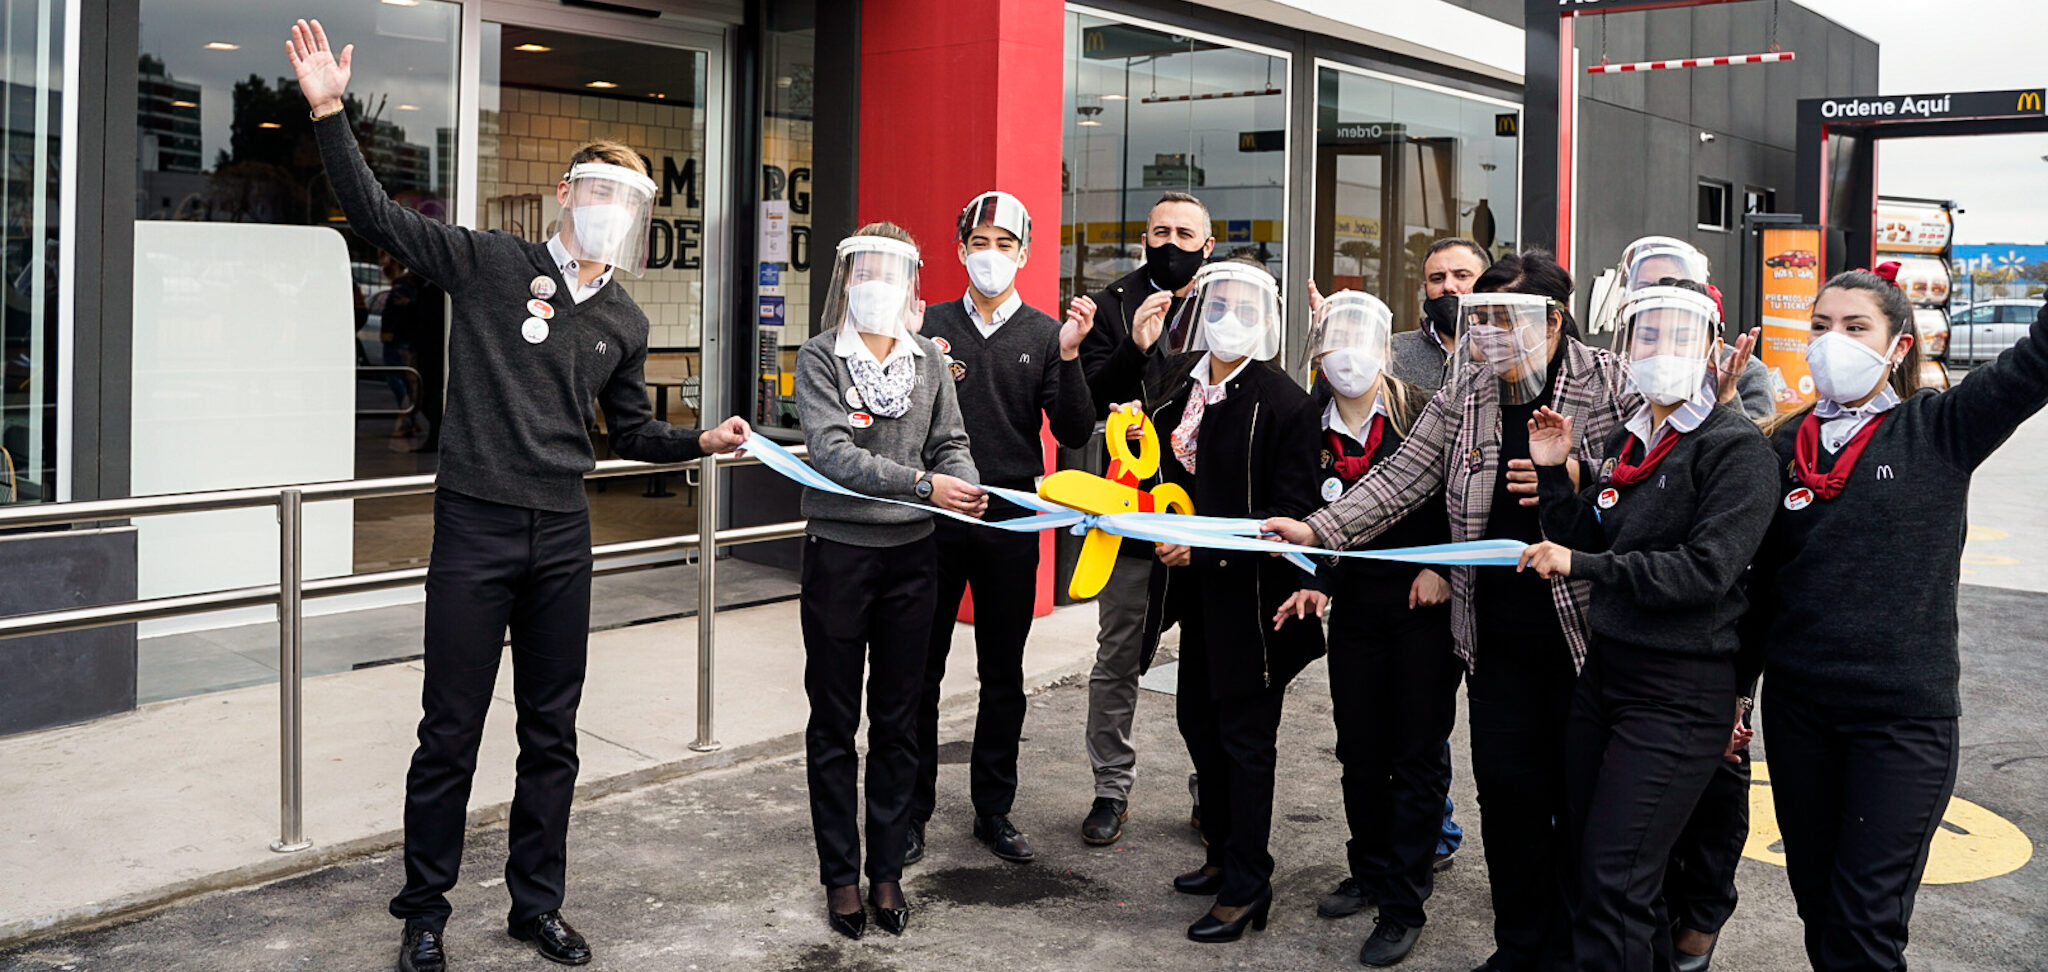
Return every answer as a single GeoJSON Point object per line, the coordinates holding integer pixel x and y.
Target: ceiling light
{"type": "Point", "coordinates": [533, 48]}
{"type": "Point", "coordinates": [1116, 97]}
{"type": "Point", "coordinates": [222, 46]}
{"type": "Point", "coordinates": [403, 3]}
{"type": "Point", "coordinates": [184, 104]}
{"type": "Point", "coordinates": [657, 94]}
{"type": "Point", "coordinates": [601, 84]}
{"type": "Point", "coordinates": [268, 125]}
{"type": "Point", "coordinates": [1089, 123]}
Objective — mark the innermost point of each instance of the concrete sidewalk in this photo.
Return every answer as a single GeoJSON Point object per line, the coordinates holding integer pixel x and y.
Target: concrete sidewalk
{"type": "Point", "coordinates": [181, 797]}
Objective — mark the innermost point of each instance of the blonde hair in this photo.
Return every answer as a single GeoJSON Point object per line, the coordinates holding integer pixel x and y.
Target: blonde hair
{"type": "Point", "coordinates": [615, 153]}
{"type": "Point", "coordinates": [886, 230]}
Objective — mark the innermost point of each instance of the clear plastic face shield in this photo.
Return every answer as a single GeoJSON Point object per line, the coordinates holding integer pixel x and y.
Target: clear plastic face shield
{"type": "Point", "coordinates": [874, 286]}
{"type": "Point", "coordinates": [1508, 335]}
{"type": "Point", "coordinates": [1233, 312]}
{"type": "Point", "coordinates": [992, 258]}
{"type": "Point", "coordinates": [607, 214]}
{"type": "Point", "coordinates": [1653, 261]}
{"type": "Point", "coordinates": [1670, 341]}
{"type": "Point", "coordinates": [1348, 344]}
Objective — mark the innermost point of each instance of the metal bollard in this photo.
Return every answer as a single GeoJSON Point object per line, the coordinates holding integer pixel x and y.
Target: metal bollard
{"type": "Point", "coordinates": [290, 673]}
{"type": "Point", "coordinates": [707, 598]}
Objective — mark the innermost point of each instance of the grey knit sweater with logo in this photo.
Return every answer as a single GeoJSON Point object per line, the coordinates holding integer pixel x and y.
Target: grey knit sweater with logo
{"type": "Point", "coordinates": [517, 427]}
{"type": "Point", "coordinates": [884, 457]}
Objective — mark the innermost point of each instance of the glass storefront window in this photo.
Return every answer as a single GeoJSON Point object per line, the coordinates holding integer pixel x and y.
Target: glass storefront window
{"type": "Point", "coordinates": [31, 119]}
{"type": "Point", "coordinates": [1151, 111]}
{"type": "Point", "coordinates": [1399, 166]}
{"type": "Point", "coordinates": [783, 290]}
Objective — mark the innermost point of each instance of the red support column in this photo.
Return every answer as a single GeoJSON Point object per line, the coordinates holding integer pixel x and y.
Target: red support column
{"type": "Point", "coordinates": [958, 98]}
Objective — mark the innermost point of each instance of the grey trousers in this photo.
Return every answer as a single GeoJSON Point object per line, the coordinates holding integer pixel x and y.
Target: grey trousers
{"type": "Point", "coordinates": [1113, 685]}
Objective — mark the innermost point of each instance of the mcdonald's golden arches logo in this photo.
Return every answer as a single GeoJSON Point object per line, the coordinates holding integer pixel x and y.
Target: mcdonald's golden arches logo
{"type": "Point", "coordinates": [2029, 101]}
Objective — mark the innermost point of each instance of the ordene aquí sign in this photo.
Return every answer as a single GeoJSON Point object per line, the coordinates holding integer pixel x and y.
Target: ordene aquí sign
{"type": "Point", "coordinates": [1972, 104]}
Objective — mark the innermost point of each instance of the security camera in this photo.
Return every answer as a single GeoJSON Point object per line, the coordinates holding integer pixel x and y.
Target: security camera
{"type": "Point", "coordinates": [1706, 137]}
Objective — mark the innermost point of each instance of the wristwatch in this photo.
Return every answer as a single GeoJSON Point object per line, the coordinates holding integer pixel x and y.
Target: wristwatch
{"type": "Point", "coordinates": [923, 487]}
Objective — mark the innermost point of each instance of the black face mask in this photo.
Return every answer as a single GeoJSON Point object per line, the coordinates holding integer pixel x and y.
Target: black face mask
{"type": "Point", "coordinates": [1442, 314]}
{"type": "Point", "coordinates": [1169, 267]}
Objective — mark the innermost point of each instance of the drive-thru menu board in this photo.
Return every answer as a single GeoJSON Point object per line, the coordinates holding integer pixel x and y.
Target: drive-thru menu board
{"type": "Point", "coordinates": [1791, 279]}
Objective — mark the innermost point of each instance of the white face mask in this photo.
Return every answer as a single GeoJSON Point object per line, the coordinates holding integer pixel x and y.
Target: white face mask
{"type": "Point", "coordinates": [1668, 379]}
{"type": "Point", "coordinates": [991, 271]}
{"type": "Point", "coordinates": [1845, 369]}
{"type": "Point", "coordinates": [1350, 372]}
{"type": "Point", "coordinates": [1230, 339]}
{"type": "Point", "coordinates": [601, 228]}
{"type": "Point", "coordinates": [876, 306]}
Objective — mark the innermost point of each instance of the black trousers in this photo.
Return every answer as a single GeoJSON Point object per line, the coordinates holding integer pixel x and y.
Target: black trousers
{"type": "Point", "coordinates": [1517, 697]}
{"type": "Point", "coordinates": [861, 606]}
{"type": "Point", "coordinates": [1394, 694]}
{"type": "Point", "coordinates": [1232, 742]}
{"type": "Point", "coordinates": [1699, 886]}
{"type": "Point", "coordinates": [1859, 797]}
{"type": "Point", "coordinates": [1647, 729]}
{"type": "Point", "coordinates": [493, 567]}
{"type": "Point", "coordinates": [1003, 569]}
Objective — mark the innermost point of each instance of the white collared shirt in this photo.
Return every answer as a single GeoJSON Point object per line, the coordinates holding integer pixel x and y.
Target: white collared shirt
{"type": "Point", "coordinates": [1334, 422]}
{"type": "Point", "coordinates": [1211, 394]}
{"type": "Point", "coordinates": [850, 344]}
{"type": "Point", "coordinates": [1003, 313]}
{"type": "Point", "coordinates": [568, 265]}
{"type": "Point", "coordinates": [1687, 417]}
{"type": "Point", "coordinates": [1839, 423]}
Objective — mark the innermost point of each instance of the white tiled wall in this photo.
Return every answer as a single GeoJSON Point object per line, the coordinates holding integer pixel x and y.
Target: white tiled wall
{"type": "Point", "coordinates": [524, 148]}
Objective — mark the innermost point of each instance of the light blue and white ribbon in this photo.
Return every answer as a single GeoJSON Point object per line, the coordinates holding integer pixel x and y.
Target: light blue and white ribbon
{"type": "Point", "coordinates": [1211, 532]}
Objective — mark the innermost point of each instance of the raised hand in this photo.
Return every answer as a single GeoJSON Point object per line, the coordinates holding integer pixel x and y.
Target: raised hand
{"type": "Point", "coordinates": [1728, 370]}
{"type": "Point", "coordinates": [1150, 320]}
{"type": "Point", "coordinates": [1550, 437]}
{"type": "Point", "coordinates": [1315, 297]}
{"type": "Point", "coordinates": [322, 76]}
{"type": "Point", "coordinates": [1080, 320]}
{"type": "Point", "coordinates": [725, 436]}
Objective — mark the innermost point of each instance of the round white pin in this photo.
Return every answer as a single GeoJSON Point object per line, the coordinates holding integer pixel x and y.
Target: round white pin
{"type": "Point", "coordinates": [1799, 499]}
{"type": "Point", "coordinates": [541, 309]}
{"type": "Point", "coordinates": [853, 398]}
{"type": "Point", "coordinates": [534, 330]}
{"type": "Point", "coordinates": [1607, 498]}
{"type": "Point", "coordinates": [543, 286]}
{"type": "Point", "coordinates": [1332, 488]}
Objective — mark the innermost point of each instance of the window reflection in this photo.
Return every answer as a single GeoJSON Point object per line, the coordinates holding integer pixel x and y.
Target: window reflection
{"type": "Point", "coordinates": [31, 48]}
{"type": "Point", "coordinates": [1398, 167]}
{"type": "Point", "coordinates": [1152, 111]}
{"type": "Point", "coordinates": [783, 294]}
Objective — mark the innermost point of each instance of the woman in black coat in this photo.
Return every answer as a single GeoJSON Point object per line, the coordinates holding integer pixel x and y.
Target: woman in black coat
{"type": "Point", "coordinates": [1240, 437]}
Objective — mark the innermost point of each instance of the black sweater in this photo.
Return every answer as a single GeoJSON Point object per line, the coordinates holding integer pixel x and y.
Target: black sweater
{"type": "Point", "coordinates": [1856, 596]}
{"type": "Point", "coordinates": [517, 426]}
{"type": "Point", "coordinates": [1666, 560]}
{"type": "Point", "coordinates": [1377, 585]}
{"type": "Point", "coordinates": [1005, 383]}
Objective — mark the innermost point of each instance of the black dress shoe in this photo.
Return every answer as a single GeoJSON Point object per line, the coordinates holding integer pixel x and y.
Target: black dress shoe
{"type": "Point", "coordinates": [1681, 962]}
{"type": "Point", "coordinates": [552, 936]}
{"type": "Point", "coordinates": [1347, 899]}
{"type": "Point", "coordinates": [913, 849]}
{"type": "Point", "coordinates": [1105, 821]}
{"type": "Point", "coordinates": [420, 950]}
{"type": "Point", "coordinates": [1203, 880]}
{"type": "Point", "coordinates": [1004, 839]}
{"type": "Point", "coordinates": [1211, 930]}
{"type": "Point", "coordinates": [852, 924]}
{"type": "Point", "coordinates": [1389, 943]}
{"type": "Point", "coordinates": [892, 920]}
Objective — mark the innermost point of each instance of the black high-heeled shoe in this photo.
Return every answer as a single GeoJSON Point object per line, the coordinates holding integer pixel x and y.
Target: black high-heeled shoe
{"type": "Point", "coordinates": [851, 924]}
{"type": "Point", "coordinates": [1202, 880]}
{"type": "Point", "coordinates": [892, 920]}
{"type": "Point", "coordinates": [1211, 930]}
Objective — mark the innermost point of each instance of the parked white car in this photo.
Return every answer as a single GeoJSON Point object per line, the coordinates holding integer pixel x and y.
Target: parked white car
{"type": "Point", "coordinates": [1982, 331]}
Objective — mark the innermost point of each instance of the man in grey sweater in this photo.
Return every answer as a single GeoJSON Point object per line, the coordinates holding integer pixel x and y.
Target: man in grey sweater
{"type": "Point", "coordinates": [511, 525]}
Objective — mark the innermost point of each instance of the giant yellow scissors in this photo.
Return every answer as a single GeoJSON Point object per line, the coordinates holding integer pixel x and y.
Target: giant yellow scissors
{"type": "Point", "coordinates": [1119, 492]}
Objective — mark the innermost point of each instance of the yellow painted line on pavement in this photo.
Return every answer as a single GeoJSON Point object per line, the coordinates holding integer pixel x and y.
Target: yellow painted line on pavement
{"type": "Point", "coordinates": [1976, 532]}
{"type": "Point", "coordinates": [1972, 844]}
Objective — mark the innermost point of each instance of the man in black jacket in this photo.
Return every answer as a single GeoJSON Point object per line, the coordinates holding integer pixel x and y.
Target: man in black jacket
{"type": "Point", "coordinates": [1013, 367]}
{"type": "Point", "coordinates": [1127, 318]}
{"type": "Point", "coordinates": [511, 524]}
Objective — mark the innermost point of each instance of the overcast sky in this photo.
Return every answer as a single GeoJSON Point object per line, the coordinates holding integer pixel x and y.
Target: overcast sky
{"type": "Point", "coordinates": [1961, 45]}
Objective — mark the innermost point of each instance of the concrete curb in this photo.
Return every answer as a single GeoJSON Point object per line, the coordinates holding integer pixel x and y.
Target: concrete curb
{"type": "Point", "coordinates": [126, 907]}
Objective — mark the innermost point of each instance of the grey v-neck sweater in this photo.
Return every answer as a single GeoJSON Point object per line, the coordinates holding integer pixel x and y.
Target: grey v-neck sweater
{"type": "Point", "coordinates": [516, 429]}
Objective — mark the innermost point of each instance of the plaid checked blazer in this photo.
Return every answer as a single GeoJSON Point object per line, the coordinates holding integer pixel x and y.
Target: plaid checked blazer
{"type": "Point", "coordinates": [1455, 447]}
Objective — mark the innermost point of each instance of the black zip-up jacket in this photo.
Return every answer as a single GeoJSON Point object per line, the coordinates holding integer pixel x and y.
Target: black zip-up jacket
{"type": "Point", "coordinates": [1666, 558]}
{"type": "Point", "coordinates": [517, 426]}
{"type": "Point", "coordinates": [1855, 597]}
{"type": "Point", "coordinates": [1255, 453]}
